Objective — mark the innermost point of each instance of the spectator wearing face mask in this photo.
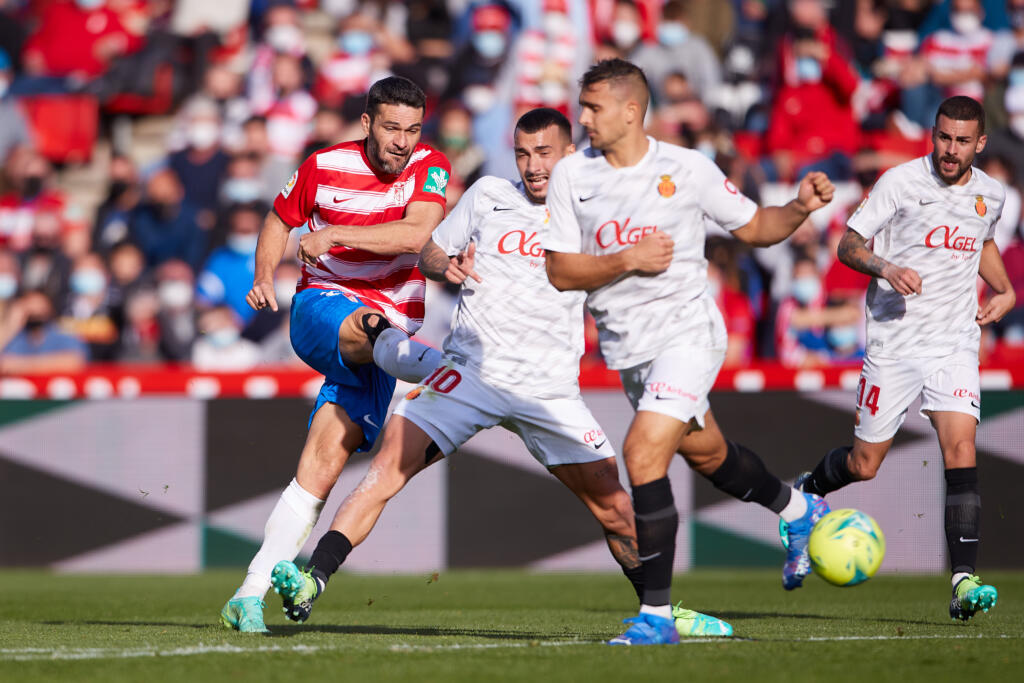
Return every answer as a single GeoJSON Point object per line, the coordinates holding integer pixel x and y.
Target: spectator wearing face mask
{"type": "Point", "coordinates": [1007, 44]}
{"type": "Point", "coordinates": [13, 126]}
{"type": "Point", "coordinates": [359, 59]}
{"type": "Point", "coordinates": [123, 192]}
{"type": "Point", "coordinates": [802, 319]}
{"type": "Point", "coordinates": [30, 341]}
{"type": "Point", "coordinates": [140, 333]}
{"type": "Point", "coordinates": [812, 124]}
{"type": "Point", "coordinates": [958, 56]}
{"type": "Point", "coordinates": [87, 314]}
{"type": "Point", "coordinates": [1009, 141]}
{"type": "Point", "coordinates": [202, 165]}
{"type": "Point", "coordinates": [175, 289]}
{"type": "Point", "coordinates": [30, 191]}
{"type": "Point", "coordinates": [164, 225]}
{"type": "Point", "coordinates": [221, 347]}
{"type": "Point", "coordinates": [679, 49]}
{"type": "Point", "coordinates": [228, 273]}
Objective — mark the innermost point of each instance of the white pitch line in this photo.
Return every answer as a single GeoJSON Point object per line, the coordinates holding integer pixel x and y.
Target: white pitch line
{"type": "Point", "coordinates": [37, 653]}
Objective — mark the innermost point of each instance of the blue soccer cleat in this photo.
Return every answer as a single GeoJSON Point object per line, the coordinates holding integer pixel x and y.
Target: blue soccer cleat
{"type": "Point", "coordinates": [970, 596]}
{"type": "Point", "coordinates": [798, 560]}
{"type": "Point", "coordinates": [690, 624]}
{"type": "Point", "coordinates": [798, 484]}
{"type": "Point", "coordinates": [244, 615]}
{"type": "Point", "coordinates": [648, 629]}
{"type": "Point", "coordinates": [298, 589]}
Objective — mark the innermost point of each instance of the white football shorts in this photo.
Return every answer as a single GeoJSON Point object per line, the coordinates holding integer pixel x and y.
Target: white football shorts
{"type": "Point", "coordinates": [454, 403]}
{"type": "Point", "coordinates": [676, 383]}
{"type": "Point", "coordinates": [887, 387]}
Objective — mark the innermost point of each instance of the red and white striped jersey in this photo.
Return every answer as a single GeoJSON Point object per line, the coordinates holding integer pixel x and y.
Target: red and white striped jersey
{"type": "Point", "coordinates": [338, 186]}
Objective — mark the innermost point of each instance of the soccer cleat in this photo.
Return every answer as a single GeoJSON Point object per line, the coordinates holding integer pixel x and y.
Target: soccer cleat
{"type": "Point", "coordinates": [647, 629]}
{"type": "Point", "coordinates": [690, 623]}
{"type": "Point", "coordinates": [298, 589]}
{"type": "Point", "coordinates": [244, 614]}
{"type": "Point", "coordinates": [798, 560]}
{"type": "Point", "coordinates": [971, 595]}
{"type": "Point", "coordinates": [798, 484]}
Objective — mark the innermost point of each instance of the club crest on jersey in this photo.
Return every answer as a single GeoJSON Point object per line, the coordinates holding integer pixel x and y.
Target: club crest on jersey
{"type": "Point", "coordinates": [979, 205]}
{"type": "Point", "coordinates": [666, 188]}
{"type": "Point", "coordinates": [416, 391]}
{"type": "Point", "coordinates": [290, 184]}
{"type": "Point", "coordinates": [437, 180]}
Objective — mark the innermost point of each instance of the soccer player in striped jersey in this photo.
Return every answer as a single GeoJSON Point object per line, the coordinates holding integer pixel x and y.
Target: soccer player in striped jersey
{"type": "Point", "coordinates": [660, 327]}
{"type": "Point", "coordinates": [370, 206]}
{"type": "Point", "coordinates": [932, 221]}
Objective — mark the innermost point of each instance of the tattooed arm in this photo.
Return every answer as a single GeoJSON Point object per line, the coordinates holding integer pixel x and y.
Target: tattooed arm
{"type": "Point", "coordinates": [853, 252]}
{"type": "Point", "coordinates": [437, 265]}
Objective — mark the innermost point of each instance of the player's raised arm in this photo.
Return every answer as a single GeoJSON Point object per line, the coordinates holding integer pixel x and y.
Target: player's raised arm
{"type": "Point", "coordinates": [650, 256]}
{"type": "Point", "coordinates": [993, 272]}
{"type": "Point", "coordinates": [853, 252]}
{"type": "Point", "coordinates": [772, 224]}
{"type": "Point", "coordinates": [269, 249]}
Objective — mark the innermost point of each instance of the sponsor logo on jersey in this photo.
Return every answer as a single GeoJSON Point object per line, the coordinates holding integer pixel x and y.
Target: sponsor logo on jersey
{"type": "Point", "coordinates": [944, 236]}
{"type": "Point", "coordinates": [979, 205]}
{"type": "Point", "coordinates": [612, 232]}
{"type": "Point", "coordinates": [666, 390]}
{"type": "Point", "coordinates": [594, 436]}
{"type": "Point", "coordinates": [666, 188]}
{"type": "Point", "coordinates": [966, 393]}
{"type": "Point", "coordinates": [517, 241]}
{"type": "Point", "coordinates": [290, 184]}
{"type": "Point", "coordinates": [437, 180]}
{"type": "Point", "coordinates": [730, 188]}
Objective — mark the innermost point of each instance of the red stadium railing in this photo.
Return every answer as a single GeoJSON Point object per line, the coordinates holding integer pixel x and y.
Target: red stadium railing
{"type": "Point", "coordinates": [127, 381]}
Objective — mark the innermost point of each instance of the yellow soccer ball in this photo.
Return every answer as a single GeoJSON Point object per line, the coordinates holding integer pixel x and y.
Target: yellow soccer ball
{"type": "Point", "coordinates": [846, 547]}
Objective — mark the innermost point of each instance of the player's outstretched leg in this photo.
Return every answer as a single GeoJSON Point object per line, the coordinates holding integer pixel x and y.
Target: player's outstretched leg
{"type": "Point", "coordinates": [244, 615]}
{"type": "Point", "coordinates": [298, 589]}
{"type": "Point", "coordinates": [398, 355]}
{"type": "Point", "coordinates": [970, 596]}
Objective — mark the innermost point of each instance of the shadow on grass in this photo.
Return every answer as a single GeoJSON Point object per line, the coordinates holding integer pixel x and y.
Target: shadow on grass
{"type": "Point", "coordinates": [288, 631]}
{"type": "Point", "coordinates": [161, 624]}
{"type": "Point", "coordinates": [830, 617]}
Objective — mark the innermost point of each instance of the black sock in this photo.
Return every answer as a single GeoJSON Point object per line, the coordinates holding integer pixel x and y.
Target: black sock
{"type": "Point", "coordinates": [743, 475]}
{"type": "Point", "coordinates": [832, 473]}
{"type": "Point", "coordinates": [963, 518]}
{"type": "Point", "coordinates": [330, 553]}
{"type": "Point", "coordinates": [636, 577]}
{"type": "Point", "coordinates": [374, 329]}
{"type": "Point", "coordinates": [657, 522]}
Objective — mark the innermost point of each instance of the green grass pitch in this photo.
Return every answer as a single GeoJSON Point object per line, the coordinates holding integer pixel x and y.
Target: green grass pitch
{"type": "Point", "coordinates": [502, 626]}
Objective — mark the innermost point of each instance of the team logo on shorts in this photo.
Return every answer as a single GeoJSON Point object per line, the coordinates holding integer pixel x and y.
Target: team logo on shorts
{"type": "Point", "coordinates": [437, 180]}
{"type": "Point", "coordinates": [979, 205]}
{"type": "Point", "coordinates": [666, 188]}
{"type": "Point", "coordinates": [289, 185]}
{"type": "Point", "coordinates": [414, 393]}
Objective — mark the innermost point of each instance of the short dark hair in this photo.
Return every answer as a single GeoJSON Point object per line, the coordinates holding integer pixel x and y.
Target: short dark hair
{"type": "Point", "coordinates": [962, 108]}
{"type": "Point", "coordinates": [394, 90]}
{"type": "Point", "coordinates": [538, 119]}
{"type": "Point", "coordinates": [619, 72]}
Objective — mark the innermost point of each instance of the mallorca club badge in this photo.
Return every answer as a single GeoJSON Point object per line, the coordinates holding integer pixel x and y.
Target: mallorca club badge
{"type": "Point", "coordinates": [979, 205]}
{"type": "Point", "coordinates": [666, 188]}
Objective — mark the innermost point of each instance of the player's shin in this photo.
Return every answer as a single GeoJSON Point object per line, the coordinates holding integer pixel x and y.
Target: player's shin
{"type": "Point", "coordinates": [963, 519]}
{"type": "Point", "coordinates": [657, 522]}
{"type": "Point", "coordinates": [832, 473]}
{"type": "Point", "coordinates": [624, 550]}
{"type": "Point", "coordinates": [401, 357]}
{"type": "Point", "coordinates": [287, 529]}
{"type": "Point", "coordinates": [330, 553]}
{"type": "Point", "coordinates": [743, 475]}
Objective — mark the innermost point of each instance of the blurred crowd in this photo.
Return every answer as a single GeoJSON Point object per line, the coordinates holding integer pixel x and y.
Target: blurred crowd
{"type": "Point", "coordinates": [244, 89]}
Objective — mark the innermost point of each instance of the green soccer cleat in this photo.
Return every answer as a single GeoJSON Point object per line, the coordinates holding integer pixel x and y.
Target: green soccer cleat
{"type": "Point", "coordinates": [971, 595]}
{"type": "Point", "coordinates": [690, 623]}
{"type": "Point", "coordinates": [244, 615]}
{"type": "Point", "coordinates": [298, 589]}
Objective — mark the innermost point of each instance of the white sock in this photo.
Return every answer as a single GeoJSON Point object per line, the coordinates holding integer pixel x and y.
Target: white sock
{"type": "Point", "coordinates": [288, 527]}
{"type": "Point", "coordinates": [958, 577]}
{"type": "Point", "coordinates": [795, 508]}
{"type": "Point", "coordinates": [401, 357]}
{"type": "Point", "coordinates": [664, 611]}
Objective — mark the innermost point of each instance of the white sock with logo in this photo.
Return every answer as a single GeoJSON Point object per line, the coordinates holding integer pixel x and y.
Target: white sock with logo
{"type": "Point", "coordinates": [401, 357]}
{"type": "Point", "coordinates": [287, 529]}
{"type": "Point", "coordinates": [960, 576]}
{"type": "Point", "coordinates": [795, 508]}
{"type": "Point", "coordinates": [664, 611]}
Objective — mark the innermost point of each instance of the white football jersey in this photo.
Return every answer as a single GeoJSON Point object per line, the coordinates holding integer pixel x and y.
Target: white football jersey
{"type": "Point", "coordinates": [522, 334]}
{"type": "Point", "coordinates": [918, 221]}
{"type": "Point", "coordinates": [599, 209]}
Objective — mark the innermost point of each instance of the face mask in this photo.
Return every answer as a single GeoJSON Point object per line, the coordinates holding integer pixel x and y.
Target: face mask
{"type": "Point", "coordinates": [806, 289]}
{"type": "Point", "coordinates": [673, 33]}
{"type": "Point", "coordinates": [553, 92]}
{"type": "Point", "coordinates": [356, 43]}
{"type": "Point", "coordinates": [118, 188]}
{"type": "Point", "coordinates": [489, 44]}
{"type": "Point", "coordinates": [1014, 335]}
{"type": "Point", "coordinates": [284, 290]}
{"type": "Point", "coordinates": [707, 148]}
{"type": "Point", "coordinates": [89, 4]}
{"type": "Point", "coordinates": [841, 337]}
{"type": "Point", "coordinates": [1016, 78]}
{"type": "Point", "coordinates": [203, 135]}
{"type": "Point", "coordinates": [808, 70]}
{"type": "Point", "coordinates": [87, 282]}
{"type": "Point", "coordinates": [175, 294]}
{"type": "Point", "coordinates": [454, 141]}
{"type": "Point", "coordinates": [241, 190]}
{"type": "Point", "coordinates": [556, 24]}
{"type": "Point", "coordinates": [285, 38]}
{"type": "Point", "coordinates": [32, 186]}
{"type": "Point", "coordinates": [35, 324]}
{"type": "Point", "coordinates": [8, 286]}
{"type": "Point", "coordinates": [243, 244]}
{"type": "Point", "coordinates": [4, 84]}
{"type": "Point", "coordinates": [625, 34]}
{"type": "Point", "coordinates": [1017, 125]}
{"type": "Point", "coordinates": [479, 98]}
{"type": "Point", "coordinates": [1017, 18]}
{"type": "Point", "coordinates": [223, 337]}
{"type": "Point", "coordinates": [965, 23]}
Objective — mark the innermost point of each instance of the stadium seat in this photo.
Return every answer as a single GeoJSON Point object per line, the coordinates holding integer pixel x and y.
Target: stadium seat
{"type": "Point", "coordinates": [64, 126]}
